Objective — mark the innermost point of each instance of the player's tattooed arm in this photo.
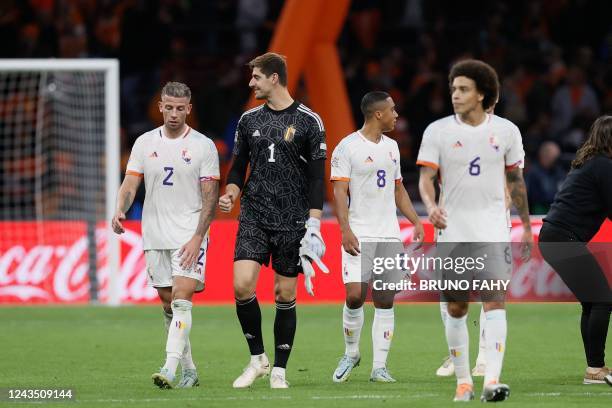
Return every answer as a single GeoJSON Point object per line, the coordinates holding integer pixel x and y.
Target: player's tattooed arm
{"type": "Point", "coordinates": [125, 198]}
{"type": "Point", "coordinates": [518, 193]}
{"type": "Point", "coordinates": [210, 195]}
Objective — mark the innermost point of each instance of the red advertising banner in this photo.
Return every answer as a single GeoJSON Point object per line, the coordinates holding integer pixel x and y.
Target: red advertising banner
{"type": "Point", "coordinates": [48, 262]}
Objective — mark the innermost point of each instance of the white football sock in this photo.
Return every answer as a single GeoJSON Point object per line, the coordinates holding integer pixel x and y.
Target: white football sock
{"type": "Point", "coordinates": [352, 320]}
{"type": "Point", "coordinates": [444, 312]}
{"type": "Point", "coordinates": [178, 333]}
{"type": "Point", "coordinates": [382, 333]}
{"type": "Point", "coordinates": [459, 346]}
{"type": "Point", "coordinates": [497, 331]}
{"type": "Point", "coordinates": [186, 360]}
{"type": "Point", "coordinates": [482, 345]}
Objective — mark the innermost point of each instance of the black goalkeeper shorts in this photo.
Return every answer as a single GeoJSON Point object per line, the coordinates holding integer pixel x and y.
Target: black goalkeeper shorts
{"type": "Point", "coordinates": [257, 244]}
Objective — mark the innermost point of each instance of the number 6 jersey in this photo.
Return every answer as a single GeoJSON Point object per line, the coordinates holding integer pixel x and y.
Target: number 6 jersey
{"type": "Point", "coordinates": [471, 161]}
{"type": "Point", "coordinates": [372, 170]}
{"type": "Point", "coordinates": [172, 171]}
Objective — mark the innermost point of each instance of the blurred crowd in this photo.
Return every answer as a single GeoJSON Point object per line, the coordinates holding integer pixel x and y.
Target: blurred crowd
{"type": "Point", "coordinates": [553, 58]}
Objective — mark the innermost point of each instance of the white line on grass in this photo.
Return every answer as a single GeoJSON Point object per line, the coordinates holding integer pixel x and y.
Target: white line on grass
{"type": "Point", "coordinates": [568, 394]}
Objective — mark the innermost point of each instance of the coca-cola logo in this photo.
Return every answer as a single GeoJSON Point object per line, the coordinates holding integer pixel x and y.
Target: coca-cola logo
{"type": "Point", "coordinates": [59, 271]}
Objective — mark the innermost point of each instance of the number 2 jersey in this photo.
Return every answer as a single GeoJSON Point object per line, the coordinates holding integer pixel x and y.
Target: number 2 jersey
{"type": "Point", "coordinates": [172, 171]}
{"type": "Point", "coordinates": [279, 145]}
{"type": "Point", "coordinates": [472, 161]}
{"type": "Point", "coordinates": [372, 170]}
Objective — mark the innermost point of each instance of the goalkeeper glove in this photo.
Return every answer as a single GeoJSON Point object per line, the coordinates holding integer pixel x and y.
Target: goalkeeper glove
{"type": "Point", "coordinates": [312, 248]}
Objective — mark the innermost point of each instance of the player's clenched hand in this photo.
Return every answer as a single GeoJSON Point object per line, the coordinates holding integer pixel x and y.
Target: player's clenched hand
{"type": "Point", "coordinates": [190, 251]}
{"type": "Point", "coordinates": [437, 216]}
{"type": "Point", "coordinates": [418, 234]}
{"type": "Point", "coordinates": [226, 201]}
{"type": "Point", "coordinates": [526, 245]}
{"type": "Point", "coordinates": [350, 243]}
{"type": "Point", "coordinates": [116, 222]}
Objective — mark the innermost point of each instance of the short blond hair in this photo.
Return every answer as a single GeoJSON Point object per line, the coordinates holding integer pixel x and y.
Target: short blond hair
{"type": "Point", "coordinates": [177, 90]}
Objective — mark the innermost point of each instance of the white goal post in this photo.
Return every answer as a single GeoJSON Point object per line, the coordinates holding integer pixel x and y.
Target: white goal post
{"type": "Point", "coordinates": [62, 116]}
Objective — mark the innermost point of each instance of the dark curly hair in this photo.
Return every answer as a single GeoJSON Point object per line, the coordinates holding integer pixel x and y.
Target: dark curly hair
{"type": "Point", "coordinates": [482, 74]}
{"type": "Point", "coordinates": [598, 142]}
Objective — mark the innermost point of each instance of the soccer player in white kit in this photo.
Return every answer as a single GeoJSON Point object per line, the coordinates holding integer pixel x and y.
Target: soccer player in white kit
{"type": "Point", "coordinates": [448, 368]}
{"type": "Point", "coordinates": [471, 152]}
{"type": "Point", "coordinates": [366, 167]}
{"type": "Point", "coordinates": [180, 167]}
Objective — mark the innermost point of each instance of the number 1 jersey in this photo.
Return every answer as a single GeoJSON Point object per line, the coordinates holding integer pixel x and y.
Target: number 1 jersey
{"type": "Point", "coordinates": [279, 145]}
{"type": "Point", "coordinates": [471, 161]}
{"type": "Point", "coordinates": [172, 171]}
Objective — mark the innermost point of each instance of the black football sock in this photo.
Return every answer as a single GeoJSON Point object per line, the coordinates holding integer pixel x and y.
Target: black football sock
{"type": "Point", "coordinates": [249, 315]}
{"type": "Point", "coordinates": [284, 332]}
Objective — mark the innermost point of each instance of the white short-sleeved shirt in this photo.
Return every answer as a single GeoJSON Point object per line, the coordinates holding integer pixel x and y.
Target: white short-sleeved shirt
{"type": "Point", "coordinates": [472, 161]}
{"type": "Point", "coordinates": [372, 170]}
{"type": "Point", "coordinates": [172, 171]}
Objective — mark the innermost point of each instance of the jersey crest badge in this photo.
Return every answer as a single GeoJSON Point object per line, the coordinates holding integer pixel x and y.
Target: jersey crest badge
{"type": "Point", "coordinates": [393, 159]}
{"type": "Point", "coordinates": [493, 143]}
{"type": "Point", "coordinates": [186, 156]}
{"type": "Point", "coordinates": [289, 134]}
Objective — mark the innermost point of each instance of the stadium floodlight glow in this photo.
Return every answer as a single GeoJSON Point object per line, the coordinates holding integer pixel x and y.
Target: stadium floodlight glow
{"type": "Point", "coordinates": [59, 156]}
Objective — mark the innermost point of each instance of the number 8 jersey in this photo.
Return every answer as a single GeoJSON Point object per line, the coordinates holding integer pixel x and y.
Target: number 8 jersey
{"type": "Point", "coordinates": [471, 161]}
{"type": "Point", "coordinates": [372, 170]}
{"type": "Point", "coordinates": [172, 171]}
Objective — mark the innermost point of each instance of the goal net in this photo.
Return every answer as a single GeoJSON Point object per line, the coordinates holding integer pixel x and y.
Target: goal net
{"type": "Point", "coordinates": [59, 174]}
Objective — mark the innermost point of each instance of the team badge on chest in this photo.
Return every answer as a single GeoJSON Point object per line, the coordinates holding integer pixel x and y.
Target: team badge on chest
{"type": "Point", "coordinates": [186, 156]}
{"type": "Point", "coordinates": [493, 143]}
{"type": "Point", "coordinates": [289, 134]}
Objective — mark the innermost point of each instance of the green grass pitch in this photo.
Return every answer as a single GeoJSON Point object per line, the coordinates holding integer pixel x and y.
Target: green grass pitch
{"type": "Point", "coordinates": [107, 356]}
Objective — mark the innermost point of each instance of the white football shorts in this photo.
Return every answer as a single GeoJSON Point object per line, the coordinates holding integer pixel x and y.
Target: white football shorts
{"type": "Point", "coordinates": [360, 267]}
{"type": "Point", "coordinates": [163, 264]}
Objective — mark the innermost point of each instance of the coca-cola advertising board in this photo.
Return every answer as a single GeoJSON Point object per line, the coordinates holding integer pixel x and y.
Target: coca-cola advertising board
{"type": "Point", "coordinates": [48, 262]}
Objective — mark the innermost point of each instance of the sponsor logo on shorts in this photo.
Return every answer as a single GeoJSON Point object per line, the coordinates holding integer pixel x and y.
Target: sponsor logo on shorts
{"type": "Point", "coordinates": [348, 331]}
{"type": "Point", "coordinates": [454, 353]}
{"type": "Point", "coordinates": [180, 325]}
{"type": "Point", "coordinates": [499, 347]}
{"type": "Point", "coordinates": [388, 335]}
